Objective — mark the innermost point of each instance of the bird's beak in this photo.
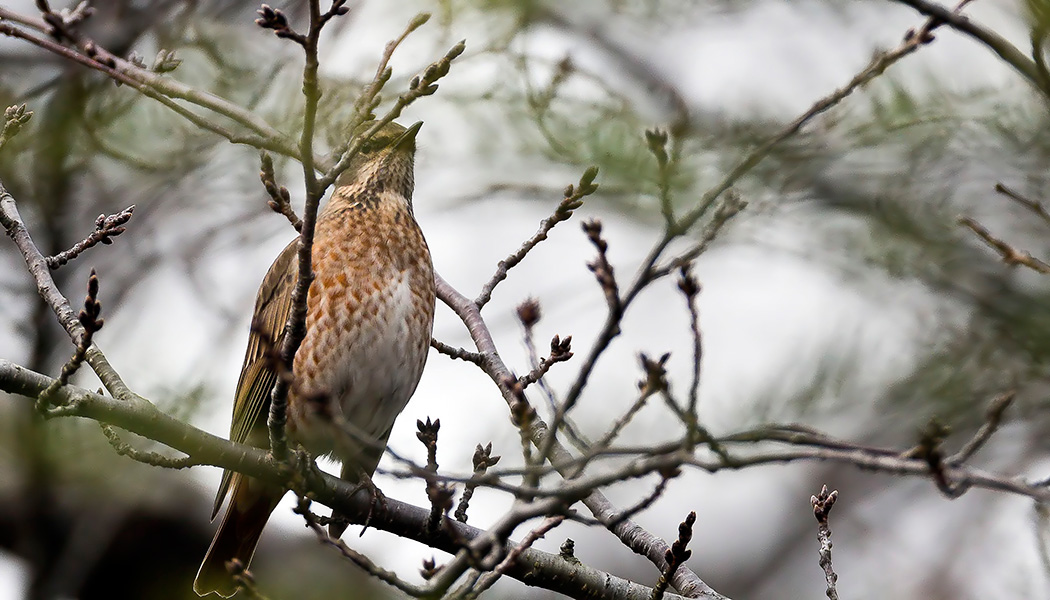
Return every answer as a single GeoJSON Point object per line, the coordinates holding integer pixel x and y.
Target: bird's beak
{"type": "Point", "coordinates": [408, 138]}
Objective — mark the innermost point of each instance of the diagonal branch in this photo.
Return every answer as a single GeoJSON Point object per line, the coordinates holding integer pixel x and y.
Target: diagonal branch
{"type": "Point", "coordinates": [49, 292]}
{"type": "Point", "coordinates": [939, 14]}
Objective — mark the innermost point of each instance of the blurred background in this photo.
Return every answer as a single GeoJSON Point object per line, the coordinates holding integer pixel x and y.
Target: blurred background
{"type": "Point", "coordinates": [845, 297]}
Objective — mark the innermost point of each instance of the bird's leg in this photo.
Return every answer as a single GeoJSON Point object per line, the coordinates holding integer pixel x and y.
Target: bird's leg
{"type": "Point", "coordinates": [362, 480]}
{"type": "Point", "coordinates": [302, 473]}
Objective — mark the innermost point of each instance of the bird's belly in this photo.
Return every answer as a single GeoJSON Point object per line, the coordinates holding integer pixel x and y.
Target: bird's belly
{"type": "Point", "coordinates": [365, 353]}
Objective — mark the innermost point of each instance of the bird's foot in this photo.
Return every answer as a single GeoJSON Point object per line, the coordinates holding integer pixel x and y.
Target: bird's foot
{"type": "Point", "coordinates": [376, 497]}
{"type": "Point", "coordinates": [338, 522]}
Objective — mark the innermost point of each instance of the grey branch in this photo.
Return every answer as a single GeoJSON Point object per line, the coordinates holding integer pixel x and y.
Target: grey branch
{"type": "Point", "coordinates": [822, 504]}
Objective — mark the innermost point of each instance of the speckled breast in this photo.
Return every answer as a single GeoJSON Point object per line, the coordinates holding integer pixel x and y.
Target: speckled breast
{"type": "Point", "coordinates": [369, 322]}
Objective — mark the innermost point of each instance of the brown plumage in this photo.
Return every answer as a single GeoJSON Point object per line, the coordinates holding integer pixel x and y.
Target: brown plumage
{"type": "Point", "coordinates": [368, 325]}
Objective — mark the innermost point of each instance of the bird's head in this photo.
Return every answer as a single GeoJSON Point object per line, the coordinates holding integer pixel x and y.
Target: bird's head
{"type": "Point", "coordinates": [384, 162]}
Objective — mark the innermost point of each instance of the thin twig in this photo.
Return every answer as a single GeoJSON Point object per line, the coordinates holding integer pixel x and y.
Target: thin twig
{"type": "Point", "coordinates": [529, 314]}
{"type": "Point", "coordinates": [106, 228]}
{"type": "Point", "coordinates": [419, 87]}
{"type": "Point", "coordinates": [483, 460]}
{"type": "Point", "coordinates": [369, 98]}
{"type": "Point", "coordinates": [560, 352]}
{"type": "Point", "coordinates": [1033, 205]}
{"type": "Point", "coordinates": [731, 206]}
{"type": "Point", "coordinates": [993, 418]}
{"type": "Point", "coordinates": [690, 288]}
{"type": "Point", "coordinates": [648, 500]}
{"type": "Point", "coordinates": [822, 505]}
{"type": "Point", "coordinates": [1009, 255]}
{"type": "Point", "coordinates": [617, 427]}
{"type": "Point", "coordinates": [676, 555]}
{"type": "Point", "coordinates": [439, 492]}
{"type": "Point", "coordinates": [454, 352]}
{"type": "Point", "coordinates": [152, 84]}
{"type": "Point", "coordinates": [656, 139]}
{"type": "Point", "coordinates": [355, 557]}
{"type": "Point", "coordinates": [150, 458]}
{"type": "Point", "coordinates": [295, 325]}
{"type": "Point", "coordinates": [573, 199]}
{"type": "Point", "coordinates": [91, 322]}
{"type": "Point", "coordinates": [487, 580]}
{"type": "Point", "coordinates": [280, 199]}
{"type": "Point", "coordinates": [940, 15]}
{"type": "Point", "coordinates": [49, 292]}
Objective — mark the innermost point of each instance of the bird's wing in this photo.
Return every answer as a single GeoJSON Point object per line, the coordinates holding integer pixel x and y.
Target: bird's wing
{"type": "Point", "coordinates": [272, 306]}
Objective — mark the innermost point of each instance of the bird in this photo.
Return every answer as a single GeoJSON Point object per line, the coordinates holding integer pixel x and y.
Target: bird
{"type": "Point", "coordinates": [370, 315]}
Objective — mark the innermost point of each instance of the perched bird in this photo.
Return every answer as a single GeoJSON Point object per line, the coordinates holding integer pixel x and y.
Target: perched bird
{"type": "Point", "coordinates": [368, 325]}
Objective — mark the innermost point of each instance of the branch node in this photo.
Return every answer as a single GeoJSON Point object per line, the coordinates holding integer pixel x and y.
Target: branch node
{"type": "Point", "coordinates": [567, 551]}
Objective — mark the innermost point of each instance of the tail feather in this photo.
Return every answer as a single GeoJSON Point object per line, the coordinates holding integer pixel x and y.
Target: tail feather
{"type": "Point", "coordinates": [237, 536]}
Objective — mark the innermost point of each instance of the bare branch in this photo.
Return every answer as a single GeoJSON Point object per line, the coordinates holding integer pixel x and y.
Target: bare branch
{"type": "Point", "coordinates": [1010, 255]}
{"type": "Point", "coordinates": [454, 352]}
{"type": "Point", "coordinates": [573, 199]}
{"type": "Point", "coordinates": [418, 88]}
{"type": "Point", "coordinates": [49, 292]}
{"type": "Point", "coordinates": [280, 199]}
{"type": "Point", "coordinates": [631, 534]}
{"type": "Point", "coordinates": [1033, 205]}
{"type": "Point", "coordinates": [153, 85]}
{"type": "Point", "coordinates": [486, 580]}
{"type": "Point", "coordinates": [355, 557]}
{"type": "Point", "coordinates": [529, 314]}
{"type": "Point", "coordinates": [106, 228]}
{"type": "Point", "coordinates": [150, 458]}
{"type": "Point", "coordinates": [295, 325]}
{"type": "Point", "coordinates": [822, 505]}
{"type": "Point", "coordinates": [439, 493]}
{"type": "Point", "coordinates": [560, 352]}
{"type": "Point", "coordinates": [676, 555]}
{"type": "Point", "coordinates": [690, 288]}
{"type": "Point", "coordinates": [90, 321]}
{"type": "Point", "coordinates": [482, 460]}
{"type": "Point", "coordinates": [993, 418]}
{"type": "Point", "coordinates": [940, 15]}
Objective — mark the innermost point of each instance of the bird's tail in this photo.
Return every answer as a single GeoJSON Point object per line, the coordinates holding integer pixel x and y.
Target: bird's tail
{"type": "Point", "coordinates": [237, 536]}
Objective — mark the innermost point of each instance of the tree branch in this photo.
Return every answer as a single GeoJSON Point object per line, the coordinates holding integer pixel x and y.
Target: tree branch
{"type": "Point", "coordinates": [49, 292]}
{"type": "Point", "coordinates": [532, 567]}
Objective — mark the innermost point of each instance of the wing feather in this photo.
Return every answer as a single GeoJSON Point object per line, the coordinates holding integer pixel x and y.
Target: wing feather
{"type": "Point", "coordinates": [257, 379]}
